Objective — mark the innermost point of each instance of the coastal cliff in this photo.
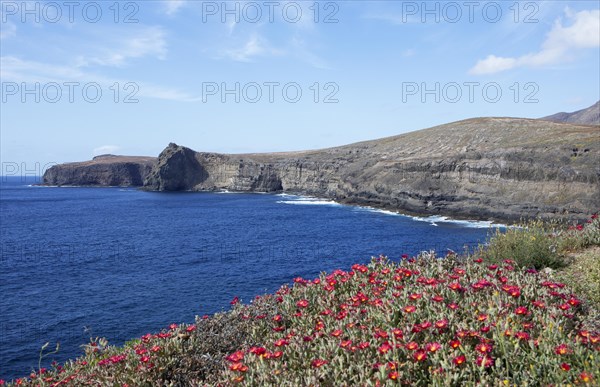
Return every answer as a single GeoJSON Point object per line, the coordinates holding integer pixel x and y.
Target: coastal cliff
{"type": "Point", "coordinates": [104, 170]}
{"type": "Point", "coordinates": [486, 168]}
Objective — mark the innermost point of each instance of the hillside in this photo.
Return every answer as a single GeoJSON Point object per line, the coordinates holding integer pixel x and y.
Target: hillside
{"type": "Point", "coordinates": [484, 168]}
{"type": "Point", "coordinates": [589, 116]}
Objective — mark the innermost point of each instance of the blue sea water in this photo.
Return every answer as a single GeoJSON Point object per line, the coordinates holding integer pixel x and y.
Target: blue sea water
{"type": "Point", "coordinates": [118, 263]}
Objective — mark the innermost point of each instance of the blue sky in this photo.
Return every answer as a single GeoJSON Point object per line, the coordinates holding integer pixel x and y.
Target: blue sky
{"type": "Point", "coordinates": [170, 71]}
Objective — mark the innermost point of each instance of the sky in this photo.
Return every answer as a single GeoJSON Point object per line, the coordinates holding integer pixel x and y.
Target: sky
{"type": "Point", "coordinates": [81, 79]}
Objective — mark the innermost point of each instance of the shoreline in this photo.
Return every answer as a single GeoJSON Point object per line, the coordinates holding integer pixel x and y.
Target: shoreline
{"type": "Point", "coordinates": [433, 219]}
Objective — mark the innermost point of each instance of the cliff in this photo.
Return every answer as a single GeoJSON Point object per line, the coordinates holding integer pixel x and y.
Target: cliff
{"type": "Point", "coordinates": [105, 170]}
{"type": "Point", "coordinates": [486, 168]}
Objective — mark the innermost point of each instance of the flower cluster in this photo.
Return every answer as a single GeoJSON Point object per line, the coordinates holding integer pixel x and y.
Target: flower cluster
{"type": "Point", "coordinates": [427, 321]}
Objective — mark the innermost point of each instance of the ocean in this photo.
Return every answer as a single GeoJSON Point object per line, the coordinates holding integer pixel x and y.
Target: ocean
{"type": "Point", "coordinates": [118, 263]}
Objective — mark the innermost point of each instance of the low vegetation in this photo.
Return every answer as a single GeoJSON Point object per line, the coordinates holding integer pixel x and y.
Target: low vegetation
{"type": "Point", "coordinates": [496, 318]}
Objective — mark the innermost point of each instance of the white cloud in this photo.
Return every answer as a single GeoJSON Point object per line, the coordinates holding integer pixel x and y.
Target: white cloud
{"type": "Point", "coordinates": [106, 149]}
{"type": "Point", "coordinates": [255, 46]}
{"type": "Point", "coordinates": [150, 41]}
{"type": "Point", "coordinates": [13, 69]}
{"type": "Point", "coordinates": [8, 29]}
{"type": "Point", "coordinates": [173, 6]}
{"type": "Point", "coordinates": [560, 45]}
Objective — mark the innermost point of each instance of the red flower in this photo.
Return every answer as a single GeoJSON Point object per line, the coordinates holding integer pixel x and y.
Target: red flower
{"type": "Point", "coordinates": [441, 324]}
{"type": "Point", "coordinates": [483, 348]}
{"type": "Point", "coordinates": [156, 348]}
{"type": "Point", "coordinates": [514, 291]}
{"type": "Point", "coordinates": [420, 355]}
{"type": "Point", "coordinates": [346, 343]}
{"type": "Point", "coordinates": [458, 360]}
{"type": "Point", "coordinates": [336, 333]}
{"type": "Point", "coordinates": [363, 345]}
{"type": "Point", "coordinates": [302, 304]}
{"type": "Point", "coordinates": [415, 296]}
{"type": "Point", "coordinates": [281, 343]}
{"type": "Point", "coordinates": [235, 300]}
{"type": "Point", "coordinates": [522, 335]}
{"type": "Point", "coordinates": [173, 327]}
{"type": "Point", "coordinates": [318, 363]}
{"type": "Point", "coordinates": [412, 346]}
{"type": "Point", "coordinates": [433, 347]}
{"type": "Point", "coordinates": [482, 317]}
{"type": "Point", "coordinates": [538, 304]}
{"type": "Point", "coordinates": [144, 359]}
{"type": "Point", "coordinates": [393, 375]}
{"type": "Point", "coordinates": [258, 351]}
{"type": "Point", "coordinates": [191, 328]}
{"type": "Point", "coordinates": [455, 286]}
{"type": "Point", "coordinates": [410, 309]}
{"type": "Point", "coordinates": [384, 348]}
{"type": "Point", "coordinates": [585, 377]}
{"type": "Point", "coordinates": [522, 310]}
{"type": "Point", "coordinates": [238, 367]}
{"type": "Point", "coordinates": [478, 260]}
{"type": "Point", "coordinates": [397, 333]}
{"type": "Point", "coordinates": [485, 361]}
{"type": "Point", "coordinates": [437, 298]}
{"type": "Point", "coordinates": [573, 301]}
{"type": "Point", "coordinates": [453, 306]}
{"type": "Point", "coordinates": [565, 367]}
{"type": "Point", "coordinates": [454, 343]}
{"type": "Point", "coordinates": [562, 349]}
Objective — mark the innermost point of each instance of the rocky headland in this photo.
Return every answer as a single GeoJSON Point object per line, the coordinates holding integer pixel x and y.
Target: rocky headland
{"type": "Point", "coordinates": [486, 168]}
{"type": "Point", "coordinates": [103, 171]}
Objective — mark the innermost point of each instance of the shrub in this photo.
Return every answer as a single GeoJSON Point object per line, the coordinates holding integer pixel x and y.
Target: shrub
{"type": "Point", "coordinates": [532, 245]}
{"type": "Point", "coordinates": [583, 273]}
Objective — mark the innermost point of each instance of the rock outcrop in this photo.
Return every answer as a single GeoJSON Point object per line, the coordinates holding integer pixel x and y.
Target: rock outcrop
{"type": "Point", "coordinates": [105, 170]}
{"type": "Point", "coordinates": [488, 168]}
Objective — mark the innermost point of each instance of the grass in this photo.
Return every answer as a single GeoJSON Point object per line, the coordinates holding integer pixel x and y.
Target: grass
{"type": "Point", "coordinates": [494, 319]}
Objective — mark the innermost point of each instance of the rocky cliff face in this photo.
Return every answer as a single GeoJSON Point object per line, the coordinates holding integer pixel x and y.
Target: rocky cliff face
{"type": "Point", "coordinates": [106, 170]}
{"type": "Point", "coordinates": [492, 168]}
